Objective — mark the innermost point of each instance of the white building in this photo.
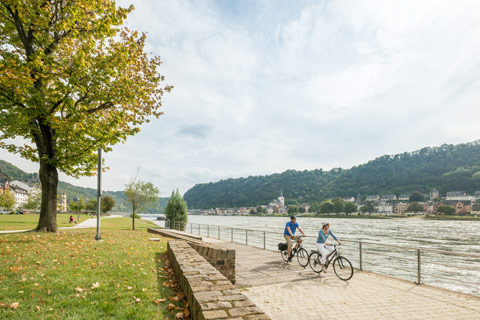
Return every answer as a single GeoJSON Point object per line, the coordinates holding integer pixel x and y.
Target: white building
{"type": "Point", "coordinates": [459, 196]}
{"type": "Point", "coordinates": [385, 208]}
{"type": "Point", "coordinates": [21, 191]}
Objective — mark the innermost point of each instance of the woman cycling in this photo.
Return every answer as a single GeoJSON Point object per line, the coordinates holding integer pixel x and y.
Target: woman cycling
{"type": "Point", "coordinates": [322, 246]}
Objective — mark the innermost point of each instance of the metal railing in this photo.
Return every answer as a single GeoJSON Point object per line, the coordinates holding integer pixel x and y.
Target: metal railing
{"type": "Point", "coordinates": [448, 269]}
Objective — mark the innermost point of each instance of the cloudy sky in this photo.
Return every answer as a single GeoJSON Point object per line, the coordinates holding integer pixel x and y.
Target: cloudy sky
{"type": "Point", "coordinates": [265, 86]}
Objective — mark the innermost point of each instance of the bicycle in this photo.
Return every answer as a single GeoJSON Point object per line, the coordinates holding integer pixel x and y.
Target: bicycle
{"type": "Point", "coordinates": [341, 265]}
{"type": "Point", "coordinates": [301, 253]}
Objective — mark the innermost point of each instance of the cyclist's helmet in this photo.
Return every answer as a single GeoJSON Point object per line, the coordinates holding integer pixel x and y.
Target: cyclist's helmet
{"type": "Point", "coordinates": [324, 224]}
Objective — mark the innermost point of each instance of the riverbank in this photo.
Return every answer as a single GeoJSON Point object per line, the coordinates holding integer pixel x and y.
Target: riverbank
{"type": "Point", "coordinates": [457, 218]}
{"type": "Point", "coordinates": [70, 275]}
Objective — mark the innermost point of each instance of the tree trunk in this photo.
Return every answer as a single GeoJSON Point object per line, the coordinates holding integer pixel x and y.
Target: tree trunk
{"type": "Point", "coordinates": [133, 219]}
{"type": "Point", "coordinates": [48, 209]}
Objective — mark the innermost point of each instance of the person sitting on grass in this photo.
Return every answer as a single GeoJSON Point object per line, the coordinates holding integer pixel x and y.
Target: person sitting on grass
{"type": "Point", "coordinates": [72, 220]}
{"type": "Point", "coordinates": [289, 234]}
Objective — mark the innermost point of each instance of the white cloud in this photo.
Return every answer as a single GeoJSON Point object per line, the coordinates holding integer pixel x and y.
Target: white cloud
{"type": "Point", "coordinates": [262, 87]}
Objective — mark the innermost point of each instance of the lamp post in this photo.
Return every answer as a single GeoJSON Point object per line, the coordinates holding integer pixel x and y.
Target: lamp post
{"type": "Point", "coordinates": [99, 192]}
{"type": "Point", "coordinates": [77, 200]}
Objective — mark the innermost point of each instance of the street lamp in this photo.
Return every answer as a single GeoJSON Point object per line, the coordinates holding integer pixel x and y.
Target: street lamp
{"type": "Point", "coordinates": [99, 192]}
{"type": "Point", "coordinates": [77, 200]}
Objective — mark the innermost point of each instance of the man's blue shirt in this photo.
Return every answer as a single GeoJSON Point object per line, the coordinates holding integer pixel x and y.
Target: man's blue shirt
{"type": "Point", "coordinates": [293, 227]}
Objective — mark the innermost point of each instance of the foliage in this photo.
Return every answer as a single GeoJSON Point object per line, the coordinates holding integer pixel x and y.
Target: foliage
{"type": "Point", "coordinates": [350, 207]}
{"type": "Point", "coordinates": [33, 201]}
{"type": "Point", "coordinates": [140, 194]}
{"type": "Point", "coordinates": [261, 209]}
{"type": "Point", "coordinates": [338, 204]}
{"type": "Point", "coordinates": [91, 205]}
{"type": "Point", "coordinates": [292, 209]}
{"type": "Point", "coordinates": [121, 202]}
{"type": "Point", "coordinates": [314, 207]}
{"type": "Point", "coordinates": [415, 207]}
{"type": "Point", "coordinates": [137, 273]}
{"type": "Point", "coordinates": [416, 197]}
{"type": "Point", "coordinates": [71, 80]}
{"type": "Point", "coordinates": [136, 216]}
{"type": "Point", "coordinates": [327, 206]}
{"type": "Point", "coordinates": [77, 205]}
{"type": "Point", "coordinates": [301, 209]}
{"type": "Point", "coordinates": [176, 210]}
{"type": "Point", "coordinates": [7, 199]}
{"type": "Point", "coordinates": [402, 173]}
{"type": "Point", "coordinates": [368, 207]}
{"type": "Point", "coordinates": [448, 210]}
{"type": "Point", "coordinates": [107, 203]}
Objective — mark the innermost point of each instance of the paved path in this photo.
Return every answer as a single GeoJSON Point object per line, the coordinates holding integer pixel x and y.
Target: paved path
{"type": "Point", "coordinates": [89, 223]}
{"type": "Point", "coordinates": [287, 291]}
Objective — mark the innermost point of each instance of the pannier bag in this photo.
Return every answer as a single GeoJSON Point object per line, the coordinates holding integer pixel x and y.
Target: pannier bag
{"type": "Point", "coordinates": [282, 246]}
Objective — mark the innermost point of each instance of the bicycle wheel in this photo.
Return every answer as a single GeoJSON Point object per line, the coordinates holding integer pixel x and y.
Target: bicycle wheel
{"type": "Point", "coordinates": [314, 261]}
{"type": "Point", "coordinates": [302, 257]}
{"type": "Point", "coordinates": [343, 268]}
{"type": "Point", "coordinates": [284, 255]}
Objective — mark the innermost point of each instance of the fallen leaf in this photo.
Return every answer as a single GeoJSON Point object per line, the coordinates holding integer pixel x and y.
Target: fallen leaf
{"type": "Point", "coordinates": [37, 308]}
{"type": "Point", "coordinates": [78, 289]}
{"type": "Point", "coordinates": [14, 305]}
{"type": "Point", "coordinates": [95, 285]}
{"type": "Point", "coordinates": [179, 315]}
{"type": "Point", "coordinates": [170, 306]}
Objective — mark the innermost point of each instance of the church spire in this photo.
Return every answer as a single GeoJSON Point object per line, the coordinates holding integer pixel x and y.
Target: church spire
{"type": "Point", "coordinates": [281, 192]}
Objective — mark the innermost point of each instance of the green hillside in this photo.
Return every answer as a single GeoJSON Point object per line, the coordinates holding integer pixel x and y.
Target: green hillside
{"type": "Point", "coordinates": [447, 168]}
{"type": "Point", "coordinates": [121, 205]}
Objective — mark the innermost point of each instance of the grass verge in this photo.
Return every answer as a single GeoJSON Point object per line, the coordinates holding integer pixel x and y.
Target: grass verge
{"type": "Point", "coordinates": [30, 221]}
{"type": "Point", "coordinates": [69, 275]}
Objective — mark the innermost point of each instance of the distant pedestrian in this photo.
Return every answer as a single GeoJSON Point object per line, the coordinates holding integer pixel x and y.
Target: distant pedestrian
{"type": "Point", "coordinates": [72, 220]}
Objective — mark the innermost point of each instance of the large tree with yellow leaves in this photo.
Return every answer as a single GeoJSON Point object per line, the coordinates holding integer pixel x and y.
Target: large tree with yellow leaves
{"type": "Point", "coordinates": [72, 80]}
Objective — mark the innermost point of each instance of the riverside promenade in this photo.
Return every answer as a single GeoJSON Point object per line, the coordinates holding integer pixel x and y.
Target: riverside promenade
{"type": "Point", "coordinates": [288, 291]}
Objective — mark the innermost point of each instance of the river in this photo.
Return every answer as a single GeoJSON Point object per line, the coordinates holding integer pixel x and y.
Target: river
{"type": "Point", "coordinates": [459, 273]}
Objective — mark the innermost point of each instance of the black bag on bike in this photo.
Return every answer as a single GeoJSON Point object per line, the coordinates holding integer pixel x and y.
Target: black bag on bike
{"type": "Point", "coordinates": [282, 246]}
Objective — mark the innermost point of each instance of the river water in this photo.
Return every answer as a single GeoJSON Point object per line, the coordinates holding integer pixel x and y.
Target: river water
{"type": "Point", "coordinates": [459, 273]}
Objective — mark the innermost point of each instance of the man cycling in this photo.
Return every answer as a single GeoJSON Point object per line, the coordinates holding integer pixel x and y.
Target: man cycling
{"type": "Point", "coordinates": [289, 234]}
{"type": "Point", "coordinates": [322, 246]}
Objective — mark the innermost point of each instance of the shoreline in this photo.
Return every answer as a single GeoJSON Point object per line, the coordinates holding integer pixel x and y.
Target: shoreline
{"type": "Point", "coordinates": [379, 217]}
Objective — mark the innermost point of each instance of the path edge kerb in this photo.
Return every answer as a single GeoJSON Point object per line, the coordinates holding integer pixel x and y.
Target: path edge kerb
{"type": "Point", "coordinates": [221, 258]}
{"type": "Point", "coordinates": [209, 293]}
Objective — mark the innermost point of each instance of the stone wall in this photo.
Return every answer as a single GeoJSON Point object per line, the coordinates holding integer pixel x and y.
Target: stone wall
{"type": "Point", "coordinates": [210, 294]}
{"type": "Point", "coordinates": [222, 259]}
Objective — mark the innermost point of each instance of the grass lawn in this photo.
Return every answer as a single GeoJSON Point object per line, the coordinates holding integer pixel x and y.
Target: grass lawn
{"type": "Point", "coordinates": [30, 221]}
{"type": "Point", "coordinates": [69, 275]}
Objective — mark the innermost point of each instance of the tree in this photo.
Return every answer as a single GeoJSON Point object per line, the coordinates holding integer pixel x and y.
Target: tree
{"type": "Point", "coordinates": [415, 207]}
{"type": "Point", "coordinates": [261, 209]}
{"type": "Point", "coordinates": [77, 205]}
{"type": "Point", "coordinates": [292, 209]}
{"type": "Point", "coordinates": [7, 200]}
{"type": "Point", "coordinates": [72, 80]}
{"type": "Point", "coordinates": [301, 210]}
{"type": "Point", "coordinates": [368, 206]}
{"type": "Point", "coordinates": [91, 205]}
{"type": "Point", "coordinates": [176, 210]}
{"type": "Point", "coordinates": [140, 194]}
{"type": "Point", "coordinates": [107, 203]}
{"type": "Point", "coordinates": [313, 208]}
{"type": "Point", "coordinates": [338, 205]}
{"type": "Point", "coordinates": [416, 197]}
{"type": "Point", "coordinates": [350, 207]}
{"type": "Point", "coordinates": [327, 206]}
{"type": "Point", "coordinates": [33, 202]}
{"type": "Point", "coordinates": [448, 210]}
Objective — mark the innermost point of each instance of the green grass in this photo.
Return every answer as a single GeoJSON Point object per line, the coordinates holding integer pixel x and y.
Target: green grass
{"type": "Point", "coordinates": [29, 221]}
{"type": "Point", "coordinates": [69, 275]}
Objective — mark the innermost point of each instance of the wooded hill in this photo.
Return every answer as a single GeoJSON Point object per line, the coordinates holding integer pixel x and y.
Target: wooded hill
{"type": "Point", "coordinates": [121, 205]}
{"type": "Point", "coordinates": [447, 168]}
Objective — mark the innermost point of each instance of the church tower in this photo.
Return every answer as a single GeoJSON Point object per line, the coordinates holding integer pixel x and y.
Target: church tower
{"type": "Point", "coordinates": [281, 198]}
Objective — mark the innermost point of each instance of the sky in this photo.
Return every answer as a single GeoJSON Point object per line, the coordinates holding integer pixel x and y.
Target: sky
{"type": "Point", "coordinates": [265, 86]}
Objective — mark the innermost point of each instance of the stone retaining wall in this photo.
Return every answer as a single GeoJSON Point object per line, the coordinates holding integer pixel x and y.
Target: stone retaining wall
{"type": "Point", "coordinates": [210, 294]}
{"type": "Point", "coordinates": [222, 259]}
